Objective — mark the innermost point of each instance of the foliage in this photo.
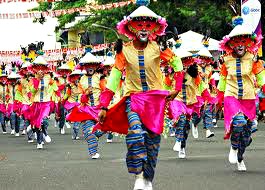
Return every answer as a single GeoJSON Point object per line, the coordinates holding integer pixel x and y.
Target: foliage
{"type": "Point", "coordinates": [196, 15]}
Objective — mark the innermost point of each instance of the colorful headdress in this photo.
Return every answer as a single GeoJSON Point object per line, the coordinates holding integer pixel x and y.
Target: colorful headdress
{"type": "Point", "coordinates": [240, 35]}
{"type": "Point", "coordinates": [185, 56]}
{"type": "Point", "coordinates": [64, 69]}
{"type": "Point", "coordinates": [88, 60]}
{"type": "Point", "coordinates": [40, 64]}
{"type": "Point", "coordinates": [204, 55]}
{"type": "Point", "coordinates": [154, 23]}
{"type": "Point", "coordinates": [109, 61]}
{"type": "Point", "coordinates": [13, 75]}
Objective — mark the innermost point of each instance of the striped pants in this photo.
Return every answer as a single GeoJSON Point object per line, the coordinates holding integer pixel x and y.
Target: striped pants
{"type": "Point", "coordinates": [2, 121]}
{"type": "Point", "coordinates": [143, 146]}
{"type": "Point", "coordinates": [241, 135]}
{"type": "Point", "coordinates": [92, 142]}
{"type": "Point", "coordinates": [182, 130]}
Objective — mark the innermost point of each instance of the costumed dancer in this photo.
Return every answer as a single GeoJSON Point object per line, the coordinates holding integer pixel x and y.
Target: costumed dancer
{"type": "Point", "coordinates": [63, 71]}
{"type": "Point", "coordinates": [205, 71]}
{"type": "Point", "coordinates": [90, 83]}
{"type": "Point", "coordinates": [3, 96]}
{"type": "Point", "coordinates": [13, 101]}
{"type": "Point", "coordinates": [106, 69]}
{"type": "Point", "coordinates": [41, 98]}
{"type": "Point", "coordinates": [237, 85]}
{"type": "Point", "coordinates": [140, 114]}
{"type": "Point", "coordinates": [186, 102]}
{"type": "Point", "coordinates": [72, 97]}
{"type": "Point", "coordinates": [25, 99]}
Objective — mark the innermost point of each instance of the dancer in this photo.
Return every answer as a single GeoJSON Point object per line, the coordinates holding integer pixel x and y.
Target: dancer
{"type": "Point", "coordinates": [3, 96]}
{"type": "Point", "coordinates": [41, 97]}
{"type": "Point", "coordinates": [72, 97]}
{"type": "Point", "coordinates": [205, 70]}
{"type": "Point", "coordinates": [140, 114]}
{"type": "Point", "coordinates": [238, 88]}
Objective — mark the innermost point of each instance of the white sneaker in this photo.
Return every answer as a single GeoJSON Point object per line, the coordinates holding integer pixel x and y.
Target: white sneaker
{"type": "Point", "coordinates": [4, 132]}
{"type": "Point", "coordinates": [62, 131]}
{"type": "Point", "coordinates": [23, 132]}
{"type": "Point", "coordinates": [195, 132]}
{"type": "Point", "coordinates": [172, 134]}
{"type": "Point", "coordinates": [96, 156]}
{"type": "Point", "coordinates": [232, 156]}
{"type": "Point", "coordinates": [17, 135]}
{"type": "Point", "coordinates": [30, 141]}
{"type": "Point", "coordinates": [29, 128]}
{"type": "Point", "coordinates": [177, 145]}
{"type": "Point", "coordinates": [47, 138]}
{"type": "Point", "coordinates": [209, 133]}
{"type": "Point", "coordinates": [215, 126]}
{"type": "Point", "coordinates": [109, 140]}
{"type": "Point", "coordinates": [39, 146]}
{"type": "Point", "coordinates": [139, 184]}
{"type": "Point", "coordinates": [68, 126]}
{"type": "Point", "coordinates": [182, 153]}
{"type": "Point", "coordinates": [241, 166]}
{"type": "Point", "coordinates": [12, 132]}
{"type": "Point", "coordinates": [75, 138]}
{"type": "Point", "coordinates": [148, 185]}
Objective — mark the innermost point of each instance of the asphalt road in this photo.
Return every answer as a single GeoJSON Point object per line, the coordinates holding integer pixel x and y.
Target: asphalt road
{"type": "Point", "coordinates": [64, 165]}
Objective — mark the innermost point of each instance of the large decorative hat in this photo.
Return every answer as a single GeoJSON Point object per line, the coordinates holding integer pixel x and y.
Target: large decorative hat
{"type": "Point", "coordinates": [109, 61]}
{"type": "Point", "coordinates": [240, 35]}
{"type": "Point", "coordinates": [40, 64]}
{"type": "Point", "coordinates": [185, 56]}
{"type": "Point", "coordinates": [205, 55]}
{"type": "Point", "coordinates": [88, 60]}
{"type": "Point", "coordinates": [76, 72]}
{"type": "Point", "coordinates": [13, 75]}
{"type": "Point", "coordinates": [64, 69]}
{"type": "Point", "coordinates": [142, 14]}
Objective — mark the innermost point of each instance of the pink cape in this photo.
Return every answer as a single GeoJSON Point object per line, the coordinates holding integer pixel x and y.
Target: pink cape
{"type": "Point", "coordinates": [70, 105]}
{"type": "Point", "coordinates": [3, 108]}
{"type": "Point", "coordinates": [25, 111]}
{"type": "Point", "coordinates": [176, 108]}
{"type": "Point", "coordinates": [39, 110]}
{"type": "Point", "coordinates": [232, 107]}
{"type": "Point", "coordinates": [14, 107]}
{"type": "Point", "coordinates": [150, 107]}
{"type": "Point", "coordinates": [83, 113]}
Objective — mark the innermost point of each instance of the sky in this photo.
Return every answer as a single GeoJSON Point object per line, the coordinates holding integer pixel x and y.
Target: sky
{"type": "Point", "coordinates": [16, 32]}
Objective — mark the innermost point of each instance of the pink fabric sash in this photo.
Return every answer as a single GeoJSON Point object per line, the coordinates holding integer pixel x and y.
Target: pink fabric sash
{"type": "Point", "coordinates": [39, 110]}
{"type": "Point", "coordinates": [70, 105]}
{"type": "Point", "coordinates": [3, 108]}
{"type": "Point", "coordinates": [233, 106]}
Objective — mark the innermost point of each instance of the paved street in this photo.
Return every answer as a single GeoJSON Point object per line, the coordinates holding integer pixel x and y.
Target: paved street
{"type": "Point", "coordinates": [64, 165]}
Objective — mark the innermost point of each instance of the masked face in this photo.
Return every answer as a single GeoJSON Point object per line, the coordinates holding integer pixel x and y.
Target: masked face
{"type": "Point", "coordinates": [143, 28]}
{"type": "Point", "coordinates": [240, 50]}
{"type": "Point", "coordinates": [142, 35]}
{"type": "Point", "coordinates": [90, 71]}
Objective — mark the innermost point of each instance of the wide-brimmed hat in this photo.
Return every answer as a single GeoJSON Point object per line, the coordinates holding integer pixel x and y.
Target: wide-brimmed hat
{"type": "Point", "coordinates": [240, 35]}
{"type": "Point", "coordinates": [13, 75]}
{"type": "Point", "coordinates": [141, 14]}
{"type": "Point", "coordinates": [185, 56]}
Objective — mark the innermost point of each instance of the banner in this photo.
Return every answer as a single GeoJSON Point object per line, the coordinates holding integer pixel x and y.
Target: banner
{"type": "Point", "coordinates": [52, 55]}
{"type": "Point", "coordinates": [56, 13]}
{"type": "Point", "coordinates": [251, 13]}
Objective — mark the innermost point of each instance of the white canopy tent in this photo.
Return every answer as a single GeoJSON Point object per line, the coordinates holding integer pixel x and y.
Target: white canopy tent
{"type": "Point", "coordinates": [192, 41]}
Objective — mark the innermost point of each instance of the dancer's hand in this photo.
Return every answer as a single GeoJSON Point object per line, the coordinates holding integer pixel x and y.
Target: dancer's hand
{"type": "Point", "coordinates": [101, 116]}
{"type": "Point", "coordinates": [172, 95]}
